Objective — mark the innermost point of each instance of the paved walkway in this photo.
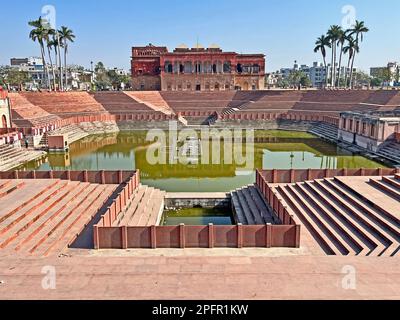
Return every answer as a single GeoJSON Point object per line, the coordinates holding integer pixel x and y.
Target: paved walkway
{"type": "Point", "coordinates": [193, 274]}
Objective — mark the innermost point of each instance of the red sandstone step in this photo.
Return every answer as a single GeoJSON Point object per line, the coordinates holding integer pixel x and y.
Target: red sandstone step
{"type": "Point", "coordinates": [141, 215]}
{"type": "Point", "coordinates": [324, 217]}
{"type": "Point", "coordinates": [11, 189]}
{"type": "Point", "coordinates": [386, 214]}
{"type": "Point", "coordinates": [4, 184]}
{"type": "Point", "coordinates": [245, 207]}
{"type": "Point", "coordinates": [369, 211]}
{"type": "Point", "coordinates": [60, 238]}
{"type": "Point", "coordinates": [257, 214]}
{"type": "Point", "coordinates": [127, 215]}
{"type": "Point", "coordinates": [327, 241]}
{"type": "Point", "coordinates": [38, 221]}
{"type": "Point", "coordinates": [349, 228]}
{"type": "Point", "coordinates": [58, 219]}
{"type": "Point", "coordinates": [386, 187]}
{"type": "Point", "coordinates": [18, 215]}
{"type": "Point", "coordinates": [350, 214]}
{"type": "Point", "coordinates": [395, 183]}
{"type": "Point", "coordinates": [156, 212]}
{"type": "Point", "coordinates": [237, 209]}
{"type": "Point", "coordinates": [52, 212]}
{"type": "Point", "coordinates": [262, 207]}
{"type": "Point", "coordinates": [20, 207]}
{"type": "Point", "coordinates": [367, 217]}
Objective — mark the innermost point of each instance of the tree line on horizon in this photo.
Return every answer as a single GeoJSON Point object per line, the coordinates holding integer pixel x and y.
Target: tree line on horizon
{"type": "Point", "coordinates": [345, 42]}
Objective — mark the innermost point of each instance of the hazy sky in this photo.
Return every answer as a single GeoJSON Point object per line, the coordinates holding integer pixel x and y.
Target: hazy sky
{"type": "Point", "coordinates": [284, 30]}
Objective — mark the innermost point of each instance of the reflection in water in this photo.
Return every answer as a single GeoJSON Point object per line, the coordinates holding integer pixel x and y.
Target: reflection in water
{"type": "Point", "coordinates": [272, 150]}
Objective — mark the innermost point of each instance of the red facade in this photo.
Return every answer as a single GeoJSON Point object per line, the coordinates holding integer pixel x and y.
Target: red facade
{"type": "Point", "coordinates": [196, 69]}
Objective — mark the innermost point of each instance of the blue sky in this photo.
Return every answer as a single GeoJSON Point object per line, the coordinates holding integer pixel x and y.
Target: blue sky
{"type": "Point", "coordinates": [284, 30]}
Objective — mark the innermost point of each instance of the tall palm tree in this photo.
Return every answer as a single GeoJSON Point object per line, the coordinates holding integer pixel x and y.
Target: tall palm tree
{"type": "Point", "coordinates": [358, 31]}
{"type": "Point", "coordinates": [351, 48]}
{"type": "Point", "coordinates": [49, 43]}
{"type": "Point", "coordinates": [66, 36]}
{"type": "Point", "coordinates": [341, 41]}
{"type": "Point", "coordinates": [321, 44]}
{"type": "Point", "coordinates": [53, 43]}
{"type": "Point", "coordinates": [38, 33]}
{"type": "Point", "coordinates": [334, 33]}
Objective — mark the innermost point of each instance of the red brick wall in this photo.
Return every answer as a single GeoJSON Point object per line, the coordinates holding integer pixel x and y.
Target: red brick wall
{"type": "Point", "coordinates": [240, 236]}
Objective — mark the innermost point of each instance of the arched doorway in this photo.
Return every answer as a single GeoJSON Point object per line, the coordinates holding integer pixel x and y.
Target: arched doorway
{"type": "Point", "coordinates": [3, 121]}
{"type": "Point", "coordinates": [246, 86]}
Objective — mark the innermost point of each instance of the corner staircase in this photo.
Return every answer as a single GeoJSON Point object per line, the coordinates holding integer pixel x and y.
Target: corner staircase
{"type": "Point", "coordinates": [342, 221]}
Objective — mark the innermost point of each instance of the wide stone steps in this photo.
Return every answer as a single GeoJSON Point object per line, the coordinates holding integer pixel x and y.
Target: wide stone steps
{"type": "Point", "coordinates": [340, 221]}
{"type": "Point", "coordinates": [152, 99]}
{"type": "Point", "coordinates": [366, 216]}
{"type": "Point", "coordinates": [145, 208]}
{"type": "Point", "coordinates": [384, 213]}
{"type": "Point", "coordinates": [326, 239]}
{"type": "Point", "coordinates": [250, 208]}
{"type": "Point", "coordinates": [325, 130]}
{"type": "Point", "coordinates": [12, 157]}
{"type": "Point", "coordinates": [388, 188]}
{"type": "Point", "coordinates": [47, 222]}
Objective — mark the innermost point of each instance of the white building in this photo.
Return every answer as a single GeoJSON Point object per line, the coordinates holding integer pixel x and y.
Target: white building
{"type": "Point", "coordinates": [394, 71]}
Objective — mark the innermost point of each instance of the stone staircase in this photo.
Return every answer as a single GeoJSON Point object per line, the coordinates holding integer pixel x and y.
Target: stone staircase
{"type": "Point", "coordinates": [74, 132]}
{"type": "Point", "coordinates": [152, 99]}
{"type": "Point", "coordinates": [14, 156]}
{"type": "Point", "coordinates": [146, 208]}
{"type": "Point", "coordinates": [341, 220]}
{"type": "Point", "coordinates": [391, 151]}
{"type": "Point", "coordinates": [250, 208]}
{"type": "Point", "coordinates": [47, 222]}
{"type": "Point", "coordinates": [325, 130]}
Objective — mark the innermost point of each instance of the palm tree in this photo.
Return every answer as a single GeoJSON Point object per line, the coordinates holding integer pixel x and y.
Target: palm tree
{"type": "Point", "coordinates": [358, 30]}
{"type": "Point", "coordinates": [334, 33]}
{"type": "Point", "coordinates": [341, 41]}
{"type": "Point", "coordinates": [321, 44]}
{"type": "Point", "coordinates": [66, 35]}
{"type": "Point", "coordinates": [49, 42]}
{"type": "Point", "coordinates": [53, 43]}
{"type": "Point", "coordinates": [38, 33]}
{"type": "Point", "coordinates": [350, 49]}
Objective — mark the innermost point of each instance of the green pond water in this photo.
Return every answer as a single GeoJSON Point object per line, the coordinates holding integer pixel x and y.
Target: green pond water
{"type": "Point", "coordinates": [197, 217]}
{"type": "Point", "coordinates": [273, 150]}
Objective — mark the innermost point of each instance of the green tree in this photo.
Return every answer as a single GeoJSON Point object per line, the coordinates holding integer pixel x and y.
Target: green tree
{"type": "Point", "coordinates": [103, 80]}
{"type": "Point", "coordinates": [305, 81]}
{"type": "Point", "coordinates": [358, 31]}
{"type": "Point", "coordinates": [283, 83]}
{"type": "Point", "coordinates": [334, 34]}
{"type": "Point", "coordinates": [351, 48]}
{"type": "Point", "coordinates": [321, 44]}
{"type": "Point", "coordinates": [295, 77]}
{"type": "Point", "coordinates": [39, 34]}
{"type": "Point", "coordinates": [11, 77]}
{"type": "Point", "coordinates": [66, 36]}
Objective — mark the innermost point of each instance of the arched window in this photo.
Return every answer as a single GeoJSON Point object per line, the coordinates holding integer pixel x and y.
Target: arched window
{"type": "Point", "coordinates": [227, 67]}
{"type": "Point", "coordinates": [239, 68]}
{"type": "Point", "coordinates": [214, 68]}
{"type": "Point", "coordinates": [4, 121]}
{"type": "Point", "coordinates": [216, 87]}
{"type": "Point", "coordinates": [169, 68]}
